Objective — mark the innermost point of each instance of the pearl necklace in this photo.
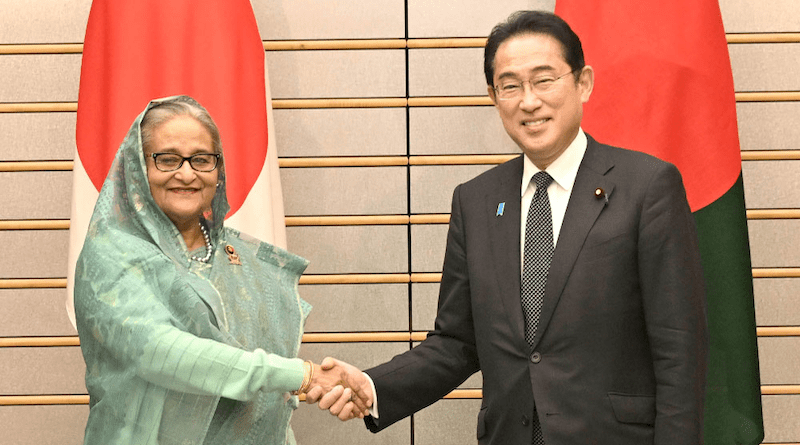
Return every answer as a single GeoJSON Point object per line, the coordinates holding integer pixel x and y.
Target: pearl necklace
{"type": "Point", "coordinates": [209, 248]}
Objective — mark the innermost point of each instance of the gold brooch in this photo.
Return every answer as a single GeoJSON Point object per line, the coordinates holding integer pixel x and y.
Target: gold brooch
{"type": "Point", "coordinates": [233, 257]}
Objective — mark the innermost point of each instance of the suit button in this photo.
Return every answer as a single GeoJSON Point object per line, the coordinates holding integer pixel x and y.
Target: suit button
{"type": "Point", "coordinates": [525, 420]}
{"type": "Point", "coordinates": [536, 357]}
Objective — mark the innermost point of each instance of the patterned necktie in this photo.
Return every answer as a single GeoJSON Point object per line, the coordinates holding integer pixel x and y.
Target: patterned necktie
{"type": "Point", "coordinates": [538, 254]}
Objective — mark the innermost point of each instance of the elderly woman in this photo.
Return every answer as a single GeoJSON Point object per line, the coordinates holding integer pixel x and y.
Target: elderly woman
{"type": "Point", "coordinates": [189, 329]}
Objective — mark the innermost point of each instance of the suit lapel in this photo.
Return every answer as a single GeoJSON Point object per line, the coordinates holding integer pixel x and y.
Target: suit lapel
{"type": "Point", "coordinates": [504, 233]}
{"type": "Point", "coordinates": [582, 212]}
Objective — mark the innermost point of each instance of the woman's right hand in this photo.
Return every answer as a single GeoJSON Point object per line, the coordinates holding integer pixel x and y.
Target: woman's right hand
{"type": "Point", "coordinates": [334, 376]}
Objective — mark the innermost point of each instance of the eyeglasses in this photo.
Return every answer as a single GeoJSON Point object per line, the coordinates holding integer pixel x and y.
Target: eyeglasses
{"type": "Point", "coordinates": [169, 162]}
{"type": "Point", "coordinates": [512, 89]}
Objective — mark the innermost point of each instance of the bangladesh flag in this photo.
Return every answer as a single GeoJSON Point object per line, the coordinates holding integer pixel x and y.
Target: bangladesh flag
{"type": "Point", "coordinates": [663, 85]}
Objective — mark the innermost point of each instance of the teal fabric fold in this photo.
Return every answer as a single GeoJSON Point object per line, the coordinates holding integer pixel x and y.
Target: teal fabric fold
{"type": "Point", "coordinates": [178, 351]}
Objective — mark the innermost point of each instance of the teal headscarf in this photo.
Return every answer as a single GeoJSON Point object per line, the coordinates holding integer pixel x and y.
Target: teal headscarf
{"type": "Point", "coordinates": [178, 351]}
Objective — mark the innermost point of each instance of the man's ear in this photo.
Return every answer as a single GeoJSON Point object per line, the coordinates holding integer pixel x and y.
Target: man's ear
{"type": "Point", "coordinates": [586, 83]}
{"type": "Point", "coordinates": [492, 96]}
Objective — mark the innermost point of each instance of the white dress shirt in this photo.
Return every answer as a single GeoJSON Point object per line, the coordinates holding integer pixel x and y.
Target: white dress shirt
{"type": "Point", "coordinates": [563, 171]}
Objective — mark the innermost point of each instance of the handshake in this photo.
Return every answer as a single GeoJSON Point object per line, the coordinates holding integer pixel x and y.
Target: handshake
{"type": "Point", "coordinates": [338, 387]}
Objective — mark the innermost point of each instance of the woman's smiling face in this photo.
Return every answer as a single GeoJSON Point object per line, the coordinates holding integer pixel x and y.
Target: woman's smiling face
{"type": "Point", "coordinates": [183, 194]}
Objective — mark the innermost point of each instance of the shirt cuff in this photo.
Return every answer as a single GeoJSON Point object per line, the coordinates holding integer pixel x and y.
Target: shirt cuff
{"type": "Point", "coordinates": [373, 411]}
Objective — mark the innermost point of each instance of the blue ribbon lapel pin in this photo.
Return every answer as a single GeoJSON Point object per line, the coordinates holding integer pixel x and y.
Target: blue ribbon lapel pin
{"type": "Point", "coordinates": [500, 209]}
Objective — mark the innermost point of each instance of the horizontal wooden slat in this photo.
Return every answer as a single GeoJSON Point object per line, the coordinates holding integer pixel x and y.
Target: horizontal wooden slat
{"type": "Point", "coordinates": [38, 107]}
{"type": "Point", "coordinates": [305, 45]}
{"type": "Point", "coordinates": [770, 155]}
{"type": "Point", "coordinates": [324, 337]}
{"type": "Point", "coordinates": [443, 218]}
{"type": "Point", "coordinates": [362, 337]}
{"type": "Point", "coordinates": [35, 166]}
{"type": "Point", "coordinates": [301, 45]}
{"type": "Point", "coordinates": [780, 389]}
{"type": "Point", "coordinates": [454, 101]}
{"type": "Point", "coordinates": [294, 221]}
{"type": "Point", "coordinates": [460, 159]}
{"type": "Point", "coordinates": [348, 337]}
{"type": "Point", "coordinates": [767, 37]}
{"type": "Point", "coordinates": [773, 214]}
{"type": "Point", "coordinates": [389, 102]}
{"type": "Point", "coordinates": [768, 96]}
{"type": "Point", "coordinates": [455, 394]}
{"type": "Point", "coordinates": [45, 400]}
{"type": "Point", "coordinates": [367, 102]}
{"type": "Point", "coordinates": [355, 279]}
{"type": "Point", "coordinates": [33, 283]}
{"type": "Point", "coordinates": [55, 283]}
{"type": "Point", "coordinates": [361, 220]}
{"type": "Point", "coordinates": [426, 277]}
{"type": "Point", "coordinates": [778, 331]}
{"type": "Point", "coordinates": [383, 161]}
{"type": "Point", "coordinates": [39, 342]}
{"type": "Point", "coordinates": [52, 48]}
{"type": "Point", "coordinates": [35, 224]}
{"type": "Point", "coordinates": [776, 272]}
{"type": "Point", "coordinates": [344, 161]}
{"type": "Point", "coordinates": [454, 42]}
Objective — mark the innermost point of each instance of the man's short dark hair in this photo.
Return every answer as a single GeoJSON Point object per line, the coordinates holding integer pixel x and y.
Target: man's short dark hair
{"type": "Point", "coordinates": [533, 22]}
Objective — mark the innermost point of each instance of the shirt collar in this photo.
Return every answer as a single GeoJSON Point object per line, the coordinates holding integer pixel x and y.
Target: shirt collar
{"type": "Point", "coordinates": [563, 170]}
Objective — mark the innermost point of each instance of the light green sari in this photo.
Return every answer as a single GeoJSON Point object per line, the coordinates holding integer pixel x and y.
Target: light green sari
{"type": "Point", "coordinates": [178, 351]}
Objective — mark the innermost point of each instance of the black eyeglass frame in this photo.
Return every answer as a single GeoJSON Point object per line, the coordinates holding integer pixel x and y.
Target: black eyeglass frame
{"type": "Point", "coordinates": [184, 159]}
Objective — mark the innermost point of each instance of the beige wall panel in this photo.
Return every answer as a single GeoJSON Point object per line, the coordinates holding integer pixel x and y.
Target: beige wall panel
{"type": "Point", "coordinates": [31, 371]}
{"type": "Point", "coordinates": [427, 247]}
{"type": "Point", "coordinates": [777, 301]}
{"type": "Point", "coordinates": [43, 425]}
{"type": "Point", "coordinates": [773, 243]}
{"type": "Point", "coordinates": [356, 307]}
{"type": "Point", "coordinates": [458, 130]}
{"type": "Point", "coordinates": [37, 136]}
{"type": "Point", "coordinates": [360, 355]}
{"type": "Point", "coordinates": [771, 184]}
{"type": "Point", "coordinates": [34, 312]}
{"type": "Point", "coordinates": [320, 19]}
{"type": "Point", "coordinates": [314, 74]}
{"type": "Point", "coordinates": [769, 16]}
{"type": "Point", "coordinates": [44, 21]}
{"type": "Point", "coordinates": [354, 249]}
{"type": "Point", "coordinates": [781, 422]}
{"type": "Point", "coordinates": [312, 426]}
{"type": "Point", "coordinates": [37, 253]}
{"type": "Point", "coordinates": [35, 194]}
{"type": "Point", "coordinates": [769, 125]}
{"type": "Point", "coordinates": [432, 186]}
{"type": "Point", "coordinates": [447, 422]}
{"type": "Point", "coordinates": [779, 361]}
{"type": "Point", "coordinates": [464, 18]}
{"type": "Point", "coordinates": [446, 72]}
{"type": "Point", "coordinates": [40, 77]}
{"type": "Point", "coordinates": [763, 67]}
{"type": "Point", "coordinates": [340, 132]}
{"type": "Point", "coordinates": [423, 305]}
{"type": "Point", "coordinates": [344, 191]}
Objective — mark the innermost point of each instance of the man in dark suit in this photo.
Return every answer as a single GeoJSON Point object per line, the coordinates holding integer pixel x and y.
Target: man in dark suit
{"type": "Point", "coordinates": [571, 278]}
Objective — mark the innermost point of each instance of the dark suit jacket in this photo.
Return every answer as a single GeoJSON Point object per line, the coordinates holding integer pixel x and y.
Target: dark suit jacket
{"type": "Point", "coordinates": [621, 345]}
